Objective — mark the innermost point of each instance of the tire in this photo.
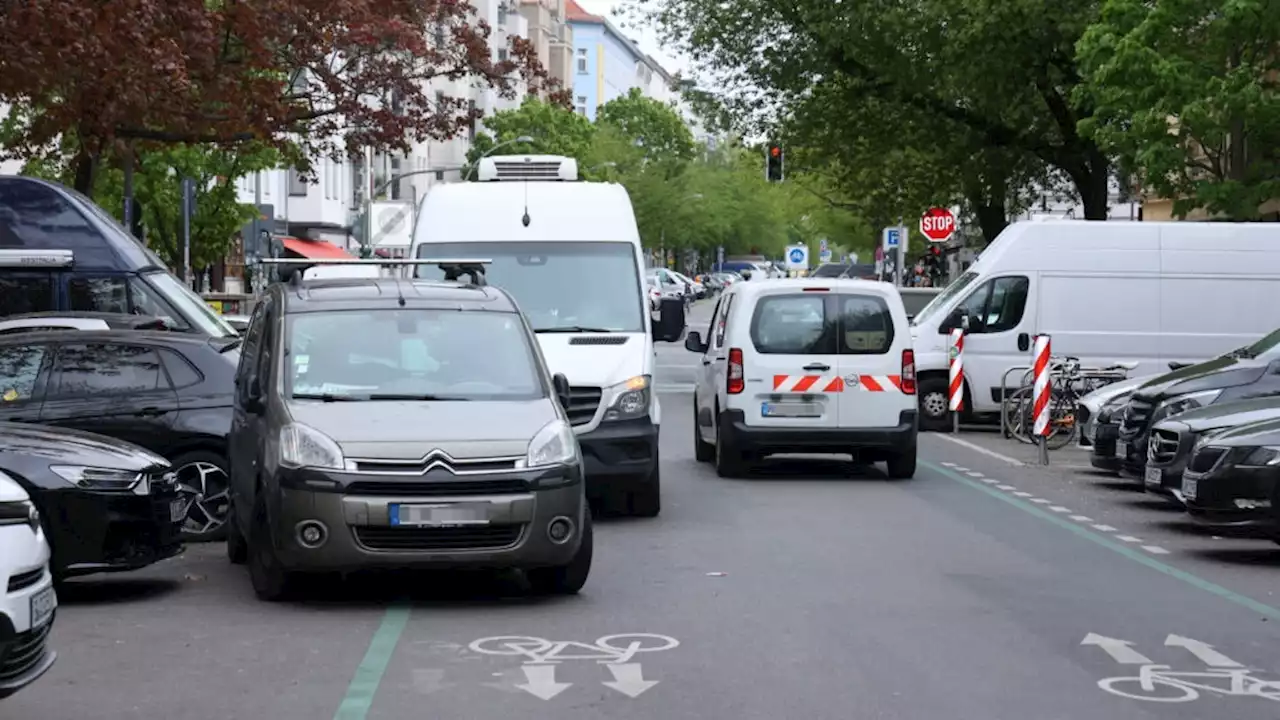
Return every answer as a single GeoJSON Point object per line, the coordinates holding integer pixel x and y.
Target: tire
{"type": "Point", "coordinates": [203, 475]}
{"type": "Point", "coordinates": [934, 414]}
{"type": "Point", "coordinates": [728, 457]}
{"type": "Point", "coordinates": [645, 500]}
{"type": "Point", "coordinates": [237, 547]}
{"type": "Point", "coordinates": [902, 466]}
{"type": "Point", "coordinates": [703, 451]}
{"type": "Point", "coordinates": [271, 582]}
{"type": "Point", "coordinates": [566, 579]}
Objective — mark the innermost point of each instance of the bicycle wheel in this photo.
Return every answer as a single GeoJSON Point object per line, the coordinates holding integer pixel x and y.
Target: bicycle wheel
{"type": "Point", "coordinates": [1162, 690]}
{"type": "Point", "coordinates": [1062, 421]}
{"type": "Point", "coordinates": [1015, 414]}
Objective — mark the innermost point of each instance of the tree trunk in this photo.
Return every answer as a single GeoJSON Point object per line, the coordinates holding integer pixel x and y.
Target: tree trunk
{"type": "Point", "coordinates": [86, 165]}
{"type": "Point", "coordinates": [1090, 178]}
{"type": "Point", "coordinates": [992, 218]}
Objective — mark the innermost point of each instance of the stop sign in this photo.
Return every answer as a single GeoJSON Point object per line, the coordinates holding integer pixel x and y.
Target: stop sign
{"type": "Point", "coordinates": [937, 224]}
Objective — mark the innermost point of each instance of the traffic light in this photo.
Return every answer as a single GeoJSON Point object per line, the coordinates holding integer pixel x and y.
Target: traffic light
{"type": "Point", "coordinates": [773, 162]}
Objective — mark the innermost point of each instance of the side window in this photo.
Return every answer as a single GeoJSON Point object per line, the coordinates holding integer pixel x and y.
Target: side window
{"type": "Point", "coordinates": [1004, 305]}
{"type": "Point", "coordinates": [181, 372]}
{"type": "Point", "coordinates": [26, 293]}
{"type": "Point", "coordinates": [793, 325]}
{"type": "Point", "coordinates": [107, 368]}
{"type": "Point", "coordinates": [99, 294]}
{"type": "Point", "coordinates": [723, 323]}
{"type": "Point", "coordinates": [19, 369]}
{"type": "Point", "coordinates": [252, 339]}
{"type": "Point", "coordinates": [866, 325]}
{"type": "Point", "coordinates": [267, 346]}
{"type": "Point", "coordinates": [715, 323]}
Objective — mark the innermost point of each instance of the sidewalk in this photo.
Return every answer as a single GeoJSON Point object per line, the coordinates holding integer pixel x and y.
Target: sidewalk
{"type": "Point", "coordinates": [989, 441]}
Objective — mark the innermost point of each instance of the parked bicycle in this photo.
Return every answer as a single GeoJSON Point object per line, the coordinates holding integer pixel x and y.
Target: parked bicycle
{"type": "Point", "coordinates": [1068, 383]}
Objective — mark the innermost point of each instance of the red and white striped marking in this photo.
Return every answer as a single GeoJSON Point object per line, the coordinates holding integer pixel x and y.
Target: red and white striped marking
{"type": "Point", "coordinates": [956, 388]}
{"type": "Point", "coordinates": [808, 383]}
{"type": "Point", "coordinates": [880, 383]}
{"type": "Point", "coordinates": [1040, 391]}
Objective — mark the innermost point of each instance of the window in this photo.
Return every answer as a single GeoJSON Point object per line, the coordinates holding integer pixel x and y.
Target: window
{"type": "Point", "coordinates": [866, 325]}
{"type": "Point", "coordinates": [181, 372]}
{"type": "Point", "coordinates": [502, 55]}
{"type": "Point", "coordinates": [439, 34]}
{"type": "Point", "coordinates": [582, 105]}
{"type": "Point", "coordinates": [793, 325]}
{"type": "Point", "coordinates": [107, 368]}
{"type": "Point", "coordinates": [439, 100]}
{"type": "Point", "coordinates": [101, 294]}
{"type": "Point", "coordinates": [997, 305]}
{"type": "Point", "coordinates": [297, 186]}
{"type": "Point", "coordinates": [397, 102]}
{"type": "Point", "coordinates": [502, 13]}
{"type": "Point", "coordinates": [19, 369]}
{"type": "Point", "coordinates": [163, 295]}
{"type": "Point", "coordinates": [412, 354]}
{"type": "Point", "coordinates": [722, 323]}
{"type": "Point", "coordinates": [395, 178]}
{"type": "Point", "coordinates": [560, 284]}
{"type": "Point", "coordinates": [471, 120]}
{"type": "Point", "coordinates": [582, 61]}
{"type": "Point", "coordinates": [26, 293]}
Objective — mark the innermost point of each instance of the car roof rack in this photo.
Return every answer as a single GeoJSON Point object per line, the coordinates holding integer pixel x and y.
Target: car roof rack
{"type": "Point", "coordinates": [454, 268]}
{"type": "Point", "coordinates": [36, 258]}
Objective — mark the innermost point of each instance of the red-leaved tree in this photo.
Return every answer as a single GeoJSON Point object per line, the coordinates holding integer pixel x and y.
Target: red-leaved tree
{"type": "Point", "coordinates": [322, 76]}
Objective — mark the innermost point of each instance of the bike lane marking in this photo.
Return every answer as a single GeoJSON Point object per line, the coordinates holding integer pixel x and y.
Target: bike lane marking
{"type": "Point", "coordinates": [1110, 544]}
{"type": "Point", "coordinates": [364, 683]}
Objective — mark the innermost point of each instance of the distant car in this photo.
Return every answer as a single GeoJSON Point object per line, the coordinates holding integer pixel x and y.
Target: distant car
{"type": "Point", "coordinates": [1173, 438]}
{"type": "Point", "coordinates": [28, 601]}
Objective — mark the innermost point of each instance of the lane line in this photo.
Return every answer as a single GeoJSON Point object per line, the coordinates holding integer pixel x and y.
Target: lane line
{"type": "Point", "coordinates": [1110, 544]}
{"type": "Point", "coordinates": [1023, 494]}
{"type": "Point", "coordinates": [1041, 501]}
{"type": "Point", "coordinates": [1129, 539]}
{"type": "Point", "coordinates": [1155, 549]}
{"type": "Point", "coordinates": [990, 481]}
{"type": "Point", "coordinates": [1059, 509]}
{"type": "Point", "coordinates": [1082, 518]}
{"type": "Point", "coordinates": [364, 684]}
{"type": "Point", "coordinates": [973, 474]}
{"type": "Point", "coordinates": [979, 449]}
{"type": "Point", "coordinates": [1006, 488]}
{"type": "Point", "coordinates": [1104, 528]}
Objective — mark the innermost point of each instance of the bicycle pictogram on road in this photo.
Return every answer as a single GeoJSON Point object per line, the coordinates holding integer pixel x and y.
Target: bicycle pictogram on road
{"type": "Point", "coordinates": [1160, 683]}
{"type": "Point", "coordinates": [610, 649]}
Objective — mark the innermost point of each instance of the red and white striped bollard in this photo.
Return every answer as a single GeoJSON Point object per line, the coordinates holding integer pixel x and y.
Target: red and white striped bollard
{"type": "Point", "coordinates": [1041, 395]}
{"type": "Point", "coordinates": [955, 389]}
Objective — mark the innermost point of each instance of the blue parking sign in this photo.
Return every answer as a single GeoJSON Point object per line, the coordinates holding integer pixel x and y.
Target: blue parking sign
{"type": "Point", "coordinates": [892, 237]}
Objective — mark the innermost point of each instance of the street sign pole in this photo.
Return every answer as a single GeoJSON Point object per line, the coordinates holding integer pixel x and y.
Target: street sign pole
{"type": "Point", "coordinates": [899, 258]}
{"type": "Point", "coordinates": [188, 191]}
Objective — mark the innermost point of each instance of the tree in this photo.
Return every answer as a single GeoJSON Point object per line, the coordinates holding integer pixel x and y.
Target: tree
{"type": "Point", "coordinates": [653, 126]}
{"type": "Point", "coordinates": [980, 76]}
{"type": "Point", "coordinates": [332, 76]}
{"type": "Point", "coordinates": [555, 129]}
{"type": "Point", "coordinates": [1187, 97]}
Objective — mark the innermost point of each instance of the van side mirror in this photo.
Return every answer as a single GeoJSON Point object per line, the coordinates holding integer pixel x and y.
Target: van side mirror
{"type": "Point", "coordinates": [561, 385]}
{"type": "Point", "coordinates": [693, 342]}
{"type": "Point", "coordinates": [1175, 365]}
{"type": "Point", "coordinates": [670, 324]}
{"type": "Point", "coordinates": [958, 318]}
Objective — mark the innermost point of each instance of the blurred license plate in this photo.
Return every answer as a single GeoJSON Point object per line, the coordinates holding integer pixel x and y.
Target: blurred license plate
{"type": "Point", "coordinates": [1122, 449]}
{"type": "Point", "coordinates": [1189, 487]}
{"type": "Point", "coordinates": [803, 410]}
{"type": "Point", "coordinates": [177, 510]}
{"type": "Point", "coordinates": [441, 514]}
{"type": "Point", "coordinates": [42, 605]}
{"type": "Point", "coordinates": [1154, 478]}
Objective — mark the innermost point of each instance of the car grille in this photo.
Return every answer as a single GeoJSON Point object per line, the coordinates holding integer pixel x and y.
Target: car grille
{"type": "Point", "coordinates": [487, 537]}
{"type": "Point", "coordinates": [421, 467]}
{"type": "Point", "coordinates": [583, 402]}
{"type": "Point", "coordinates": [25, 653]}
{"type": "Point", "coordinates": [1206, 459]}
{"type": "Point", "coordinates": [439, 488]}
{"type": "Point", "coordinates": [1134, 422]}
{"type": "Point", "coordinates": [1163, 448]}
{"type": "Point", "coordinates": [24, 580]}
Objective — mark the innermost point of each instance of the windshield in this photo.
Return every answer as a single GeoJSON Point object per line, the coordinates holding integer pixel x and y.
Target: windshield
{"type": "Point", "coordinates": [411, 354]}
{"type": "Point", "coordinates": [961, 284]}
{"type": "Point", "coordinates": [191, 306]}
{"type": "Point", "coordinates": [830, 271]}
{"type": "Point", "coordinates": [559, 284]}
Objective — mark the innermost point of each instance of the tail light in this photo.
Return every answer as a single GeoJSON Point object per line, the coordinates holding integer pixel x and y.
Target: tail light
{"type": "Point", "coordinates": [736, 379]}
{"type": "Point", "coordinates": [908, 372]}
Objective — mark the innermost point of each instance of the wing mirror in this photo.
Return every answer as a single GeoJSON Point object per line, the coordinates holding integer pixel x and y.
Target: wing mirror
{"type": "Point", "coordinates": [693, 342]}
{"type": "Point", "coordinates": [561, 385]}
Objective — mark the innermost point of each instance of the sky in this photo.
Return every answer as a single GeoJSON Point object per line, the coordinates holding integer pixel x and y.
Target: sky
{"type": "Point", "coordinates": [646, 38]}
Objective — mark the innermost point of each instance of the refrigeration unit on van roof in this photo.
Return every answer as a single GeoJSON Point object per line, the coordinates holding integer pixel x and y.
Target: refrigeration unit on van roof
{"type": "Point", "coordinates": [545, 168]}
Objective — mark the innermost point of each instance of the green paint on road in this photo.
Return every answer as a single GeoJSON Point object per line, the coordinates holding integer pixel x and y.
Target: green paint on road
{"type": "Point", "coordinates": [1104, 541]}
{"type": "Point", "coordinates": [364, 684]}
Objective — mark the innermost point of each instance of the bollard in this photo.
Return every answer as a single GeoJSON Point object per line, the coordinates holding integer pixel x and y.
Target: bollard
{"type": "Point", "coordinates": [1041, 395]}
{"type": "Point", "coordinates": [955, 391]}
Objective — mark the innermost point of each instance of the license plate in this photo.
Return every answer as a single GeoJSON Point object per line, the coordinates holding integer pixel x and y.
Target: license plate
{"type": "Point", "coordinates": [1154, 477]}
{"type": "Point", "coordinates": [42, 606]}
{"type": "Point", "coordinates": [792, 410]}
{"type": "Point", "coordinates": [1122, 449]}
{"type": "Point", "coordinates": [1189, 487]}
{"type": "Point", "coordinates": [177, 510]}
{"type": "Point", "coordinates": [439, 515]}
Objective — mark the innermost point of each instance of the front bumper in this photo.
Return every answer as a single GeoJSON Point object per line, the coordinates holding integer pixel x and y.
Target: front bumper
{"type": "Point", "coordinates": [356, 512]}
{"type": "Point", "coordinates": [1232, 497]}
{"type": "Point", "coordinates": [757, 440]}
{"type": "Point", "coordinates": [92, 532]}
{"type": "Point", "coordinates": [24, 656]}
{"type": "Point", "coordinates": [1103, 451]}
{"type": "Point", "coordinates": [622, 449]}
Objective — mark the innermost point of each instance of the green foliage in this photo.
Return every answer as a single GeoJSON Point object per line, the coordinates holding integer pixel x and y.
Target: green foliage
{"type": "Point", "coordinates": [555, 130]}
{"type": "Point", "coordinates": [653, 126]}
{"type": "Point", "coordinates": [1186, 96]}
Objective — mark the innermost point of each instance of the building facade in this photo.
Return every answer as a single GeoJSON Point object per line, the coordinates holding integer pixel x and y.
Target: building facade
{"type": "Point", "coordinates": [607, 64]}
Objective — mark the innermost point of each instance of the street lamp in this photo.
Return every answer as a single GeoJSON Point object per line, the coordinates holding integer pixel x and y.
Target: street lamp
{"type": "Point", "coordinates": [524, 139]}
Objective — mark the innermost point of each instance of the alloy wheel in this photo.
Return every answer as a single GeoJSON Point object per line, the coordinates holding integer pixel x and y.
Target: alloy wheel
{"type": "Point", "coordinates": [205, 486]}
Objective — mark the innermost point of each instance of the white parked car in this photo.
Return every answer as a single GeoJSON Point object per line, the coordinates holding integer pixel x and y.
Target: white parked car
{"type": "Point", "coordinates": [28, 604]}
{"type": "Point", "coordinates": [807, 366]}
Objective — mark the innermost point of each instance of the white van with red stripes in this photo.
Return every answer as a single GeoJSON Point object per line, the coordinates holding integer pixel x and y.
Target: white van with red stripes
{"type": "Point", "coordinates": [809, 365]}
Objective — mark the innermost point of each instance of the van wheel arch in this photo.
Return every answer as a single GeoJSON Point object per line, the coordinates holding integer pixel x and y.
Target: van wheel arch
{"type": "Point", "coordinates": [929, 382]}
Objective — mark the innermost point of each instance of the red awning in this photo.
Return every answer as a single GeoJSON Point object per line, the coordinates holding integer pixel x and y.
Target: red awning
{"type": "Point", "coordinates": [315, 249]}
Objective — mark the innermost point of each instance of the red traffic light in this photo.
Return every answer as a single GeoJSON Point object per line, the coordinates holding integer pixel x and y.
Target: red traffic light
{"type": "Point", "coordinates": [935, 250]}
{"type": "Point", "coordinates": [775, 151]}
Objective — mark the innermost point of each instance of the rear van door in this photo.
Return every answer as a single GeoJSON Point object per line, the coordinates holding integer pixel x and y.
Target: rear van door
{"type": "Point", "coordinates": [791, 365]}
{"type": "Point", "coordinates": [872, 335]}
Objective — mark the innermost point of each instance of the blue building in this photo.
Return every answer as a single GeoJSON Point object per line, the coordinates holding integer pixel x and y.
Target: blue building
{"type": "Point", "coordinates": [607, 64]}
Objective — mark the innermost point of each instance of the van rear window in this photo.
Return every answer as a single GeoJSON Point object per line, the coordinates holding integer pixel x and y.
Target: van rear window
{"type": "Point", "coordinates": [793, 325]}
{"type": "Point", "coordinates": [866, 325]}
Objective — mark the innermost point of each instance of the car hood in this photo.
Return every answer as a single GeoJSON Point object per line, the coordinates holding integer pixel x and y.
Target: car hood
{"type": "Point", "coordinates": [594, 365]}
{"type": "Point", "coordinates": [1266, 432]}
{"type": "Point", "coordinates": [1215, 374]}
{"type": "Point", "coordinates": [413, 429]}
{"type": "Point", "coordinates": [1228, 415]}
{"type": "Point", "coordinates": [73, 447]}
{"type": "Point", "coordinates": [1095, 400]}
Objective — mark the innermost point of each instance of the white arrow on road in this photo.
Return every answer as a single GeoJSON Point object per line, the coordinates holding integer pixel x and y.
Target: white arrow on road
{"type": "Point", "coordinates": [629, 680]}
{"type": "Point", "coordinates": [1203, 651]}
{"type": "Point", "coordinates": [540, 681]}
{"type": "Point", "coordinates": [1120, 650]}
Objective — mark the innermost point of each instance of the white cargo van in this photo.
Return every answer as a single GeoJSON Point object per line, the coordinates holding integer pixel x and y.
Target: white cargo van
{"type": "Point", "coordinates": [1149, 293]}
{"type": "Point", "coordinates": [569, 253]}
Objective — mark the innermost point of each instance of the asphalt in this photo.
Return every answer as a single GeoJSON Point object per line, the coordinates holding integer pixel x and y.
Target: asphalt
{"type": "Point", "coordinates": [812, 589]}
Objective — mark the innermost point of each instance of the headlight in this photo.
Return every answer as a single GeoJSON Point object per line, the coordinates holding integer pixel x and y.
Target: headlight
{"type": "Point", "coordinates": [101, 479]}
{"type": "Point", "coordinates": [304, 446]}
{"type": "Point", "coordinates": [555, 444]}
{"type": "Point", "coordinates": [1260, 457]}
{"type": "Point", "coordinates": [630, 399]}
{"type": "Point", "coordinates": [20, 512]}
{"type": "Point", "coordinates": [1182, 403]}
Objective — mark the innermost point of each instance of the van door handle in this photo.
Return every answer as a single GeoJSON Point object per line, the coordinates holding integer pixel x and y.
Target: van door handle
{"type": "Point", "coordinates": [819, 367]}
{"type": "Point", "coordinates": [1024, 342]}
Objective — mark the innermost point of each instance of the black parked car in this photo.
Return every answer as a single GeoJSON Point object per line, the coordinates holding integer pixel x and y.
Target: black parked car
{"type": "Point", "coordinates": [1173, 438]}
{"type": "Point", "coordinates": [1231, 479]}
{"type": "Point", "coordinates": [106, 505]}
{"type": "Point", "coordinates": [167, 392]}
{"type": "Point", "coordinates": [1249, 372]}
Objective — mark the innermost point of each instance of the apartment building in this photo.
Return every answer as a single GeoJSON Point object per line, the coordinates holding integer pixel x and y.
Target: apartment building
{"type": "Point", "coordinates": [607, 64]}
{"type": "Point", "coordinates": [552, 36]}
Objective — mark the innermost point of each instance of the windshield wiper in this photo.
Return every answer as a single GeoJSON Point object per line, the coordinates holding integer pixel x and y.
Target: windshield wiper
{"type": "Point", "coordinates": [573, 329]}
{"type": "Point", "coordinates": [417, 396]}
{"type": "Point", "coordinates": [328, 397]}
